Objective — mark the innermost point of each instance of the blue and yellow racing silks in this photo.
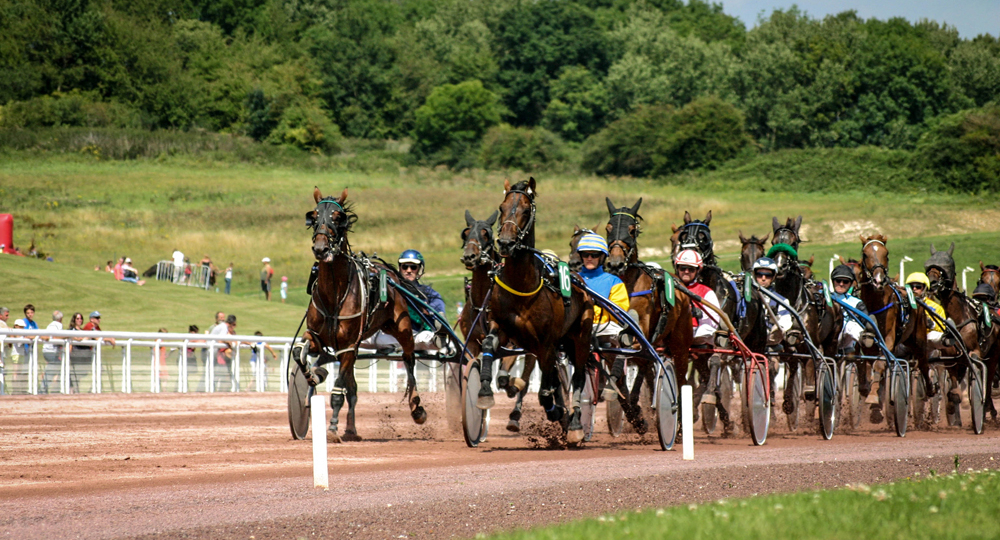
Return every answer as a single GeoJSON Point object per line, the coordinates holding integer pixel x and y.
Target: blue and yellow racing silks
{"type": "Point", "coordinates": [608, 286]}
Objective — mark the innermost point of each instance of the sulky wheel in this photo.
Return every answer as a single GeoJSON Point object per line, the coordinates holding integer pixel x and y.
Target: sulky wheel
{"type": "Point", "coordinates": [851, 396]}
{"type": "Point", "coordinates": [299, 393]}
{"type": "Point", "coordinates": [473, 418]}
{"type": "Point", "coordinates": [759, 402]}
{"type": "Point", "coordinates": [977, 398]}
{"type": "Point", "coordinates": [667, 405]}
{"type": "Point", "coordinates": [899, 396]}
{"type": "Point", "coordinates": [588, 403]}
{"type": "Point", "coordinates": [826, 399]}
{"type": "Point", "coordinates": [793, 386]}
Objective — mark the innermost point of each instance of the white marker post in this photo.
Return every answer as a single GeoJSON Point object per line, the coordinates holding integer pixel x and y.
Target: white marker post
{"type": "Point", "coordinates": [687, 421]}
{"type": "Point", "coordinates": [321, 469]}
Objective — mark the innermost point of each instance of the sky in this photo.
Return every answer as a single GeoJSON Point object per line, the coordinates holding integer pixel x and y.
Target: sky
{"type": "Point", "coordinates": [970, 17]}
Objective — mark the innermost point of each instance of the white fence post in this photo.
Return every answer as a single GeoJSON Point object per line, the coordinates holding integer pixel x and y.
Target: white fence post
{"type": "Point", "coordinates": [210, 370]}
{"type": "Point", "coordinates": [373, 377]}
{"type": "Point", "coordinates": [98, 368]}
{"type": "Point", "coordinates": [64, 369]}
{"type": "Point", "coordinates": [33, 369]}
{"type": "Point", "coordinates": [127, 376]}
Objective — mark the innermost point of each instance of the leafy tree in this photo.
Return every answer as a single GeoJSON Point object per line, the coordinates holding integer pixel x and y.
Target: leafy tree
{"type": "Point", "coordinates": [453, 120]}
{"type": "Point", "coordinates": [962, 151]}
{"type": "Point", "coordinates": [976, 68]}
{"type": "Point", "coordinates": [307, 126]}
{"type": "Point", "coordinates": [659, 140]}
{"type": "Point", "coordinates": [579, 104]}
{"type": "Point", "coordinates": [527, 149]}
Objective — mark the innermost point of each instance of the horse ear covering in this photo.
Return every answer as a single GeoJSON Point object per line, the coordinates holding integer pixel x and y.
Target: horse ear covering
{"type": "Point", "coordinates": [611, 206]}
{"type": "Point", "coordinates": [951, 250]}
{"type": "Point", "coordinates": [933, 251]}
{"type": "Point", "coordinates": [774, 223]}
{"type": "Point", "coordinates": [316, 194]}
{"type": "Point", "coordinates": [798, 223]}
{"type": "Point", "coordinates": [635, 209]}
{"type": "Point", "coordinates": [469, 220]}
{"type": "Point", "coordinates": [493, 218]}
{"type": "Point", "coordinates": [531, 186]}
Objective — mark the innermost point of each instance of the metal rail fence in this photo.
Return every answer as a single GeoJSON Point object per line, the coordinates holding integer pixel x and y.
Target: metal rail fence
{"type": "Point", "coordinates": [200, 276]}
{"type": "Point", "coordinates": [166, 362]}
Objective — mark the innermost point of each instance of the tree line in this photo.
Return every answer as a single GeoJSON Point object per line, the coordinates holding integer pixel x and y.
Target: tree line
{"type": "Point", "coordinates": [640, 87]}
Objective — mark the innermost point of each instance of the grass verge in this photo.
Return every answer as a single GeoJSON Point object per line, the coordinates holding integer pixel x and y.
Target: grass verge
{"type": "Point", "coordinates": [955, 506]}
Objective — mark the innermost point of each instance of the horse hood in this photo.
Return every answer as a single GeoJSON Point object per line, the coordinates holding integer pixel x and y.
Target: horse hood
{"type": "Point", "coordinates": [944, 261]}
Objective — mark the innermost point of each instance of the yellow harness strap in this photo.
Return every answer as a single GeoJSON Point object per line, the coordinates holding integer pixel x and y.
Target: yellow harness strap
{"type": "Point", "coordinates": [507, 288]}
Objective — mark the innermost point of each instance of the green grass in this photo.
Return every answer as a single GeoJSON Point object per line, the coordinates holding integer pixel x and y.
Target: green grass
{"type": "Point", "coordinates": [954, 506]}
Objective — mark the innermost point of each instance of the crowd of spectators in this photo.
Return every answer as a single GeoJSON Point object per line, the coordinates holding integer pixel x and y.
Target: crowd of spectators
{"type": "Point", "coordinates": [123, 271]}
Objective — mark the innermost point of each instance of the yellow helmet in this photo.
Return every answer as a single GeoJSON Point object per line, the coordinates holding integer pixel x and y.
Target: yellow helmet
{"type": "Point", "coordinates": [918, 277]}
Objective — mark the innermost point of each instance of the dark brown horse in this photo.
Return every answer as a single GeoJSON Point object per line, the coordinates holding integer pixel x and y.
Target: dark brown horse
{"type": "Point", "coordinates": [898, 323]}
{"type": "Point", "coordinates": [528, 311]}
{"type": "Point", "coordinates": [665, 324]}
{"type": "Point", "coordinates": [990, 341]}
{"type": "Point", "coordinates": [479, 255]}
{"type": "Point", "coordinates": [959, 308]}
{"type": "Point", "coordinates": [751, 249]}
{"type": "Point", "coordinates": [344, 310]}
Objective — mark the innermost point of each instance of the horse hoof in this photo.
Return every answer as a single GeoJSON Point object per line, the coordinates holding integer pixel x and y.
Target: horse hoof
{"type": "Point", "coordinates": [641, 427]}
{"type": "Point", "coordinates": [514, 426]}
{"type": "Point", "coordinates": [485, 401]}
{"type": "Point", "coordinates": [788, 407]}
{"type": "Point", "coordinates": [503, 379]}
{"type": "Point", "coordinates": [333, 436]}
{"type": "Point", "coordinates": [351, 437]}
{"type": "Point", "coordinates": [419, 415]}
{"type": "Point", "coordinates": [574, 436]}
{"type": "Point", "coordinates": [876, 415]}
{"type": "Point", "coordinates": [554, 414]}
{"type": "Point", "coordinates": [511, 391]}
{"type": "Point", "coordinates": [519, 383]}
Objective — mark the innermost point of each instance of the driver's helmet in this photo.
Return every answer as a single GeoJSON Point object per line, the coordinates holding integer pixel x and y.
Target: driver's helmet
{"type": "Point", "coordinates": [842, 271]}
{"type": "Point", "coordinates": [765, 263]}
{"type": "Point", "coordinates": [918, 277]}
{"type": "Point", "coordinates": [689, 257]}
{"type": "Point", "coordinates": [412, 256]}
{"type": "Point", "coordinates": [984, 293]}
{"type": "Point", "coordinates": [592, 242]}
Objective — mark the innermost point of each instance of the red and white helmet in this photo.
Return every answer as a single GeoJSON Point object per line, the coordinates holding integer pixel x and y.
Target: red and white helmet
{"type": "Point", "coordinates": [688, 257]}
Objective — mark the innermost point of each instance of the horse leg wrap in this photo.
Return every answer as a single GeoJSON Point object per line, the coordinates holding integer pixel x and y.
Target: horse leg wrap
{"type": "Point", "coordinates": [547, 399]}
{"type": "Point", "coordinates": [337, 398]}
{"type": "Point", "coordinates": [317, 376]}
{"type": "Point", "coordinates": [485, 398]}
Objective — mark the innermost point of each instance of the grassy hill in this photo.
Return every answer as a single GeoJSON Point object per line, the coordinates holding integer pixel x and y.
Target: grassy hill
{"type": "Point", "coordinates": [84, 211]}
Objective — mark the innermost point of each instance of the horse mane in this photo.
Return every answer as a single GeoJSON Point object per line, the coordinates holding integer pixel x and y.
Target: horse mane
{"type": "Point", "coordinates": [352, 217]}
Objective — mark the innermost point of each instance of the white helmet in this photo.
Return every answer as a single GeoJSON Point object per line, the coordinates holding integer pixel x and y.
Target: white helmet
{"type": "Point", "coordinates": [765, 263]}
{"type": "Point", "coordinates": [689, 257]}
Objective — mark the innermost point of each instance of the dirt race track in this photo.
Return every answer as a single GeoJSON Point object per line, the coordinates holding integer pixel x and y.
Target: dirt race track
{"type": "Point", "coordinates": [224, 466]}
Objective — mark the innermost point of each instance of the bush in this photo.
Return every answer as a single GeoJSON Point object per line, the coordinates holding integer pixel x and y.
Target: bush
{"type": "Point", "coordinates": [74, 108]}
{"type": "Point", "coordinates": [306, 126]}
{"type": "Point", "coordinates": [453, 120]}
{"type": "Point", "coordinates": [962, 151]}
{"type": "Point", "coordinates": [508, 147]}
{"type": "Point", "coordinates": [661, 140]}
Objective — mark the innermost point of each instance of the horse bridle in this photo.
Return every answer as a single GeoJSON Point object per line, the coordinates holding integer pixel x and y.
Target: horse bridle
{"type": "Point", "coordinates": [686, 234]}
{"type": "Point", "coordinates": [521, 232]}
{"type": "Point", "coordinates": [322, 223]}
{"type": "Point", "coordinates": [626, 241]}
{"type": "Point", "coordinates": [781, 231]}
{"type": "Point", "coordinates": [486, 253]}
{"type": "Point", "coordinates": [755, 242]}
{"type": "Point", "coordinates": [869, 273]}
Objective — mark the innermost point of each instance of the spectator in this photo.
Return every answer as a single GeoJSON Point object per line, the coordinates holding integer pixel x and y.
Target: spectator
{"type": "Point", "coordinates": [118, 269]}
{"type": "Point", "coordinates": [186, 275]}
{"type": "Point", "coordinates": [53, 354]}
{"type": "Point", "coordinates": [130, 274]}
{"type": "Point", "coordinates": [220, 318]}
{"type": "Point", "coordinates": [266, 274]}
{"type": "Point", "coordinates": [109, 268]}
{"type": "Point", "coordinates": [206, 263]}
{"type": "Point", "coordinates": [163, 359]}
{"type": "Point", "coordinates": [257, 355]}
{"type": "Point", "coordinates": [94, 325]}
{"type": "Point", "coordinates": [78, 354]}
{"type": "Point", "coordinates": [192, 356]}
{"type": "Point", "coordinates": [178, 265]}
{"type": "Point", "coordinates": [4, 315]}
{"type": "Point", "coordinates": [284, 288]}
{"type": "Point", "coordinates": [224, 353]}
{"type": "Point", "coordinates": [229, 277]}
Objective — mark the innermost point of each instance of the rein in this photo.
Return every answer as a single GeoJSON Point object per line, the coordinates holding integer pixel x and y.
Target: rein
{"type": "Point", "coordinates": [522, 232]}
{"type": "Point", "coordinates": [508, 288]}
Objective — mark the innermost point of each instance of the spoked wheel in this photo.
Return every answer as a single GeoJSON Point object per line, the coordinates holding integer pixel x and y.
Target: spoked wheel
{"type": "Point", "coordinates": [977, 398]}
{"type": "Point", "coordinates": [725, 404]}
{"type": "Point", "coordinates": [473, 418]}
{"type": "Point", "coordinates": [899, 390]}
{"type": "Point", "coordinates": [710, 411]}
{"type": "Point", "coordinates": [616, 417]}
{"type": "Point", "coordinates": [921, 406]}
{"type": "Point", "coordinates": [826, 399]}
{"type": "Point", "coordinates": [851, 396]}
{"type": "Point", "coordinates": [453, 395]}
{"type": "Point", "coordinates": [588, 403]}
{"type": "Point", "coordinates": [758, 402]}
{"type": "Point", "coordinates": [299, 393]}
{"type": "Point", "coordinates": [793, 393]}
{"type": "Point", "coordinates": [667, 405]}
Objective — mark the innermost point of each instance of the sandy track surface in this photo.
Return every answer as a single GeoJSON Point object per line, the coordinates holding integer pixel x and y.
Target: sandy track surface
{"type": "Point", "coordinates": [223, 466]}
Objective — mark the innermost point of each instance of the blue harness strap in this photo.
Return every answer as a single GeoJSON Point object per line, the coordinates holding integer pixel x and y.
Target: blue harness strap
{"type": "Point", "coordinates": [883, 308]}
{"type": "Point", "coordinates": [741, 304]}
{"type": "Point", "coordinates": [640, 293]}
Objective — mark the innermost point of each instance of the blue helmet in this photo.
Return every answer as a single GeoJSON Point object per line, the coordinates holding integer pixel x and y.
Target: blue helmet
{"type": "Point", "coordinates": [411, 256]}
{"type": "Point", "coordinates": [592, 242]}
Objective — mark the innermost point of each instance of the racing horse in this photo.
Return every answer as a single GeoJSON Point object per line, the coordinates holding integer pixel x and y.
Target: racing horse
{"type": "Point", "coordinates": [746, 314]}
{"type": "Point", "coordinates": [345, 308]}
{"type": "Point", "coordinates": [529, 311]}
{"type": "Point", "coordinates": [751, 249]}
{"type": "Point", "coordinates": [940, 270]}
{"type": "Point", "coordinates": [479, 255]}
{"type": "Point", "coordinates": [822, 323]}
{"type": "Point", "coordinates": [991, 276]}
{"type": "Point", "coordinates": [903, 329]}
{"type": "Point", "coordinates": [666, 323]}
